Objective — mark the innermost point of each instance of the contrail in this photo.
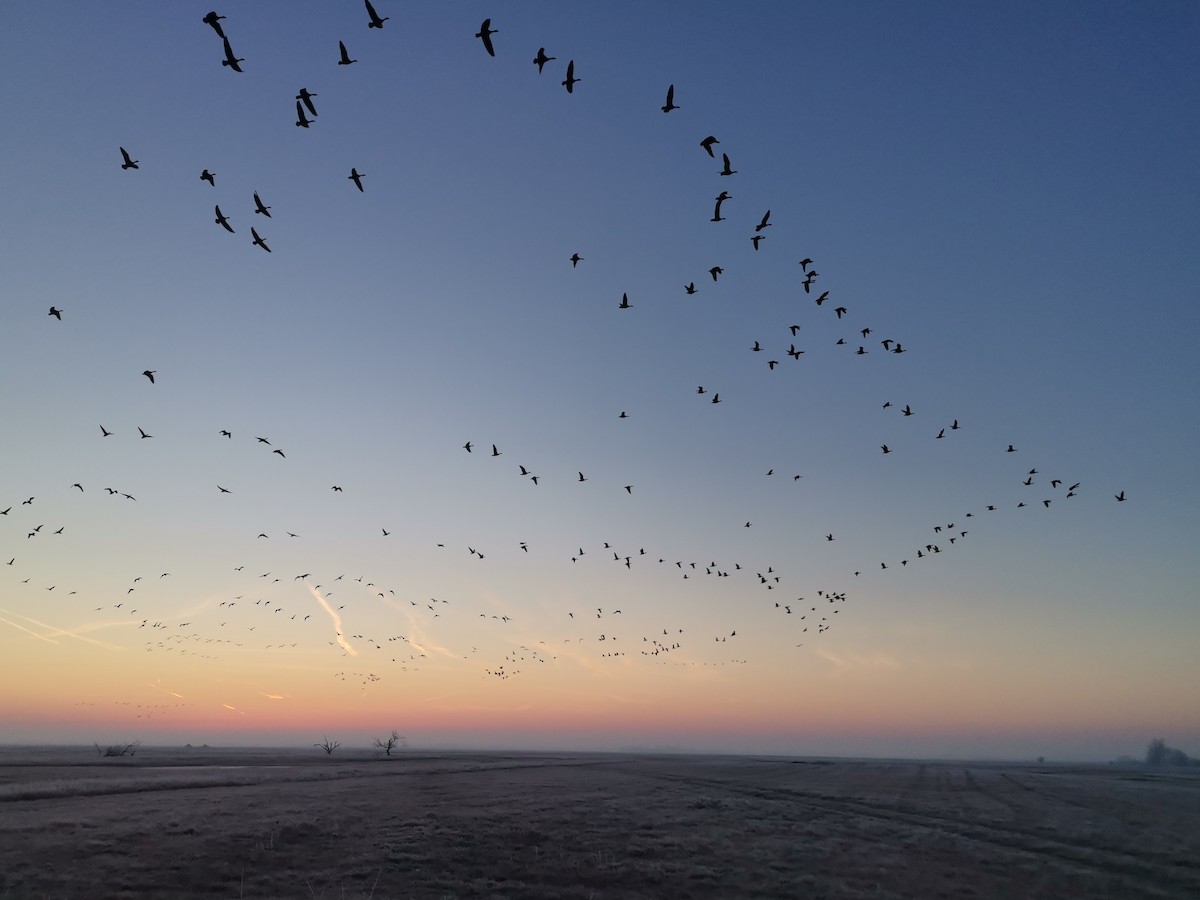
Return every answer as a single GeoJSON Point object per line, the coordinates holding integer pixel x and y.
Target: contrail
{"type": "Point", "coordinates": [27, 631]}
{"type": "Point", "coordinates": [337, 622]}
{"type": "Point", "coordinates": [56, 632]}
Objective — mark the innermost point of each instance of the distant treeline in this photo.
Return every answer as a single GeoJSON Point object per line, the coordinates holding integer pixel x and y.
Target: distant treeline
{"type": "Point", "coordinates": [1159, 754]}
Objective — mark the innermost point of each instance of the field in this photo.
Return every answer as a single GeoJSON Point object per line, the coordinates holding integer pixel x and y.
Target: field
{"type": "Point", "coordinates": [199, 822]}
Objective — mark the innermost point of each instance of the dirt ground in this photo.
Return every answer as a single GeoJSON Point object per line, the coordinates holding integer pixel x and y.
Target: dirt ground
{"type": "Point", "coordinates": [296, 824]}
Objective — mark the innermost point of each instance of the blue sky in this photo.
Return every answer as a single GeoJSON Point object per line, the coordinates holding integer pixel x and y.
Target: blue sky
{"type": "Point", "coordinates": [1009, 191]}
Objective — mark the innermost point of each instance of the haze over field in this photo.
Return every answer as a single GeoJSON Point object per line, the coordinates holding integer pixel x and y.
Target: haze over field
{"type": "Point", "coordinates": [282, 533]}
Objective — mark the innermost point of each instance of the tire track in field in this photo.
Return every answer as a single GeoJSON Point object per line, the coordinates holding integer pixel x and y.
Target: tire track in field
{"type": "Point", "coordinates": [1167, 873]}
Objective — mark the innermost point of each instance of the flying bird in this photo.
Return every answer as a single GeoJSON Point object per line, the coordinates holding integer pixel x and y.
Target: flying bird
{"type": "Point", "coordinates": [143, 433]}
{"type": "Point", "coordinates": [259, 208]}
{"type": "Point", "coordinates": [150, 373]}
{"type": "Point", "coordinates": [56, 312]}
{"type": "Point", "coordinates": [728, 170]}
{"type": "Point", "coordinates": [571, 80]}
{"type": "Point", "coordinates": [690, 287]}
{"type": "Point", "coordinates": [485, 34]}
{"type": "Point", "coordinates": [208, 176]}
{"type": "Point", "coordinates": [541, 59]}
{"type": "Point", "coordinates": [345, 60]}
{"type": "Point", "coordinates": [715, 271]}
{"type": "Point", "coordinates": [707, 145]}
{"type": "Point", "coordinates": [670, 104]}
{"type": "Point", "coordinates": [258, 241]}
{"type": "Point", "coordinates": [222, 220]}
{"type": "Point", "coordinates": [104, 432]}
{"type": "Point", "coordinates": [357, 177]}
{"type": "Point", "coordinates": [231, 60]}
{"type": "Point", "coordinates": [624, 302]}
{"type": "Point", "coordinates": [215, 21]}
{"type": "Point", "coordinates": [129, 163]}
{"type": "Point", "coordinates": [301, 119]}
{"type": "Point", "coordinates": [375, 22]}
{"type": "Point", "coordinates": [1120, 497]}
{"type": "Point", "coordinates": [575, 259]}
{"type": "Point", "coordinates": [306, 98]}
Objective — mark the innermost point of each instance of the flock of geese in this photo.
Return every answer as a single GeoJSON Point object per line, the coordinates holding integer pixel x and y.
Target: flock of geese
{"type": "Point", "coordinates": [257, 615]}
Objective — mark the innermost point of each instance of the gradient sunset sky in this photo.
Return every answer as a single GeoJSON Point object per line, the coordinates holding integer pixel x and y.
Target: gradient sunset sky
{"type": "Point", "coordinates": [1008, 191]}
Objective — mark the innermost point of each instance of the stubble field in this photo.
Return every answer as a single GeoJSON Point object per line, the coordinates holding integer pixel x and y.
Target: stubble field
{"type": "Point", "coordinates": [200, 822]}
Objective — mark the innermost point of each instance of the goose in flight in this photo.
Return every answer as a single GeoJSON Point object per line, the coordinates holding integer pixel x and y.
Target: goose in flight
{"type": "Point", "coordinates": [690, 287]}
{"type": "Point", "coordinates": [715, 271]}
{"type": "Point", "coordinates": [306, 98]}
{"type": "Point", "coordinates": [143, 433]}
{"type": "Point", "coordinates": [150, 373]}
{"type": "Point", "coordinates": [670, 104]}
{"type": "Point", "coordinates": [231, 60]}
{"type": "Point", "coordinates": [208, 176]}
{"type": "Point", "coordinates": [222, 220]}
{"type": "Point", "coordinates": [258, 241]}
{"type": "Point", "coordinates": [345, 56]}
{"type": "Point", "coordinates": [301, 119]}
{"type": "Point", "coordinates": [541, 59]}
{"type": "Point", "coordinates": [728, 170]}
{"type": "Point", "coordinates": [571, 80]}
{"type": "Point", "coordinates": [575, 260]}
{"type": "Point", "coordinates": [1120, 497]}
{"type": "Point", "coordinates": [624, 302]}
{"type": "Point", "coordinates": [215, 21]}
{"type": "Point", "coordinates": [707, 145]}
{"type": "Point", "coordinates": [375, 22]}
{"type": "Point", "coordinates": [104, 432]}
{"type": "Point", "coordinates": [485, 33]}
{"type": "Point", "coordinates": [259, 208]}
{"type": "Point", "coordinates": [56, 312]}
{"type": "Point", "coordinates": [357, 177]}
{"type": "Point", "coordinates": [128, 163]}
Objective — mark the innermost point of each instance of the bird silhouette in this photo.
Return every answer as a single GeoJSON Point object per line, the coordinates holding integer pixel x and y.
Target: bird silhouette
{"type": "Point", "coordinates": [306, 98]}
{"type": "Point", "coordinates": [259, 209]}
{"type": "Point", "coordinates": [690, 287]}
{"type": "Point", "coordinates": [301, 119]}
{"type": "Point", "coordinates": [357, 177]}
{"type": "Point", "coordinates": [670, 104]}
{"type": "Point", "coordinates": [1120, 497]}
{"type": "Point", "coordinates": [231, 60]}
{"type": "Point", "coordinates": [258, 241]}
{"type": "Point", "coordinates": [727, 170]}
{"type": "Point", "coordinates": [715, 271]}
{"type": "Point", "coordinates": [104, 432]}
{"type": "Point", "coordinates": [485, 34]}
{"type": "Point", "coordinates": [215, 21]}
{"type": "Point", "coordinates": [575, 260]}
{"type": "Point", "coordinates": [345, 59]}
{"type": "Point", "coordinates": [541, 59]}
{"type": "Point", "coordinates": [209, 177]}
{"type": "Point", "coordinates": [625, 302]}
{"type": "Point", "coordinates": [222, 220]}
{"type": "Point", "coordinates": [375, 22]}
{"type": "Point", "coordinates": [56, 312]}
{"type": "Point", "coordinates": [128, 163]}
{"type": "Point", "coordinates": [143, 433]}
{"type": "Point", "coordinates": [570, 81]}
{"type": "Point", "coordinates": [707, 144]}
{"type": "Point", "coordinates": [150, 373]}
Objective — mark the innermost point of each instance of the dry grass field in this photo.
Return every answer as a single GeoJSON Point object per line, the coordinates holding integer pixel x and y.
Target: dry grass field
{"type": "Point", "coordinates": [287, 823]}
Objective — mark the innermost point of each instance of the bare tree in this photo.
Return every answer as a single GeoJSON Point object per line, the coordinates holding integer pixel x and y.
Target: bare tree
{"type": "Point", "coordinates": [117, 749]}
{"type": "Point", "coordinates": [389, 744]}
{"type": "Point", "coordinates": [328, 746]}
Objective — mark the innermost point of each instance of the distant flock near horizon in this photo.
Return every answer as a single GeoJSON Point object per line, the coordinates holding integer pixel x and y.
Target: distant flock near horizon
{"type": "Point", "coordinates": [178, 637]}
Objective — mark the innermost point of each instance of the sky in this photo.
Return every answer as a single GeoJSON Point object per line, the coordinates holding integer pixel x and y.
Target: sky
{"type": "Point", "coordinates": [1006, 193]}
